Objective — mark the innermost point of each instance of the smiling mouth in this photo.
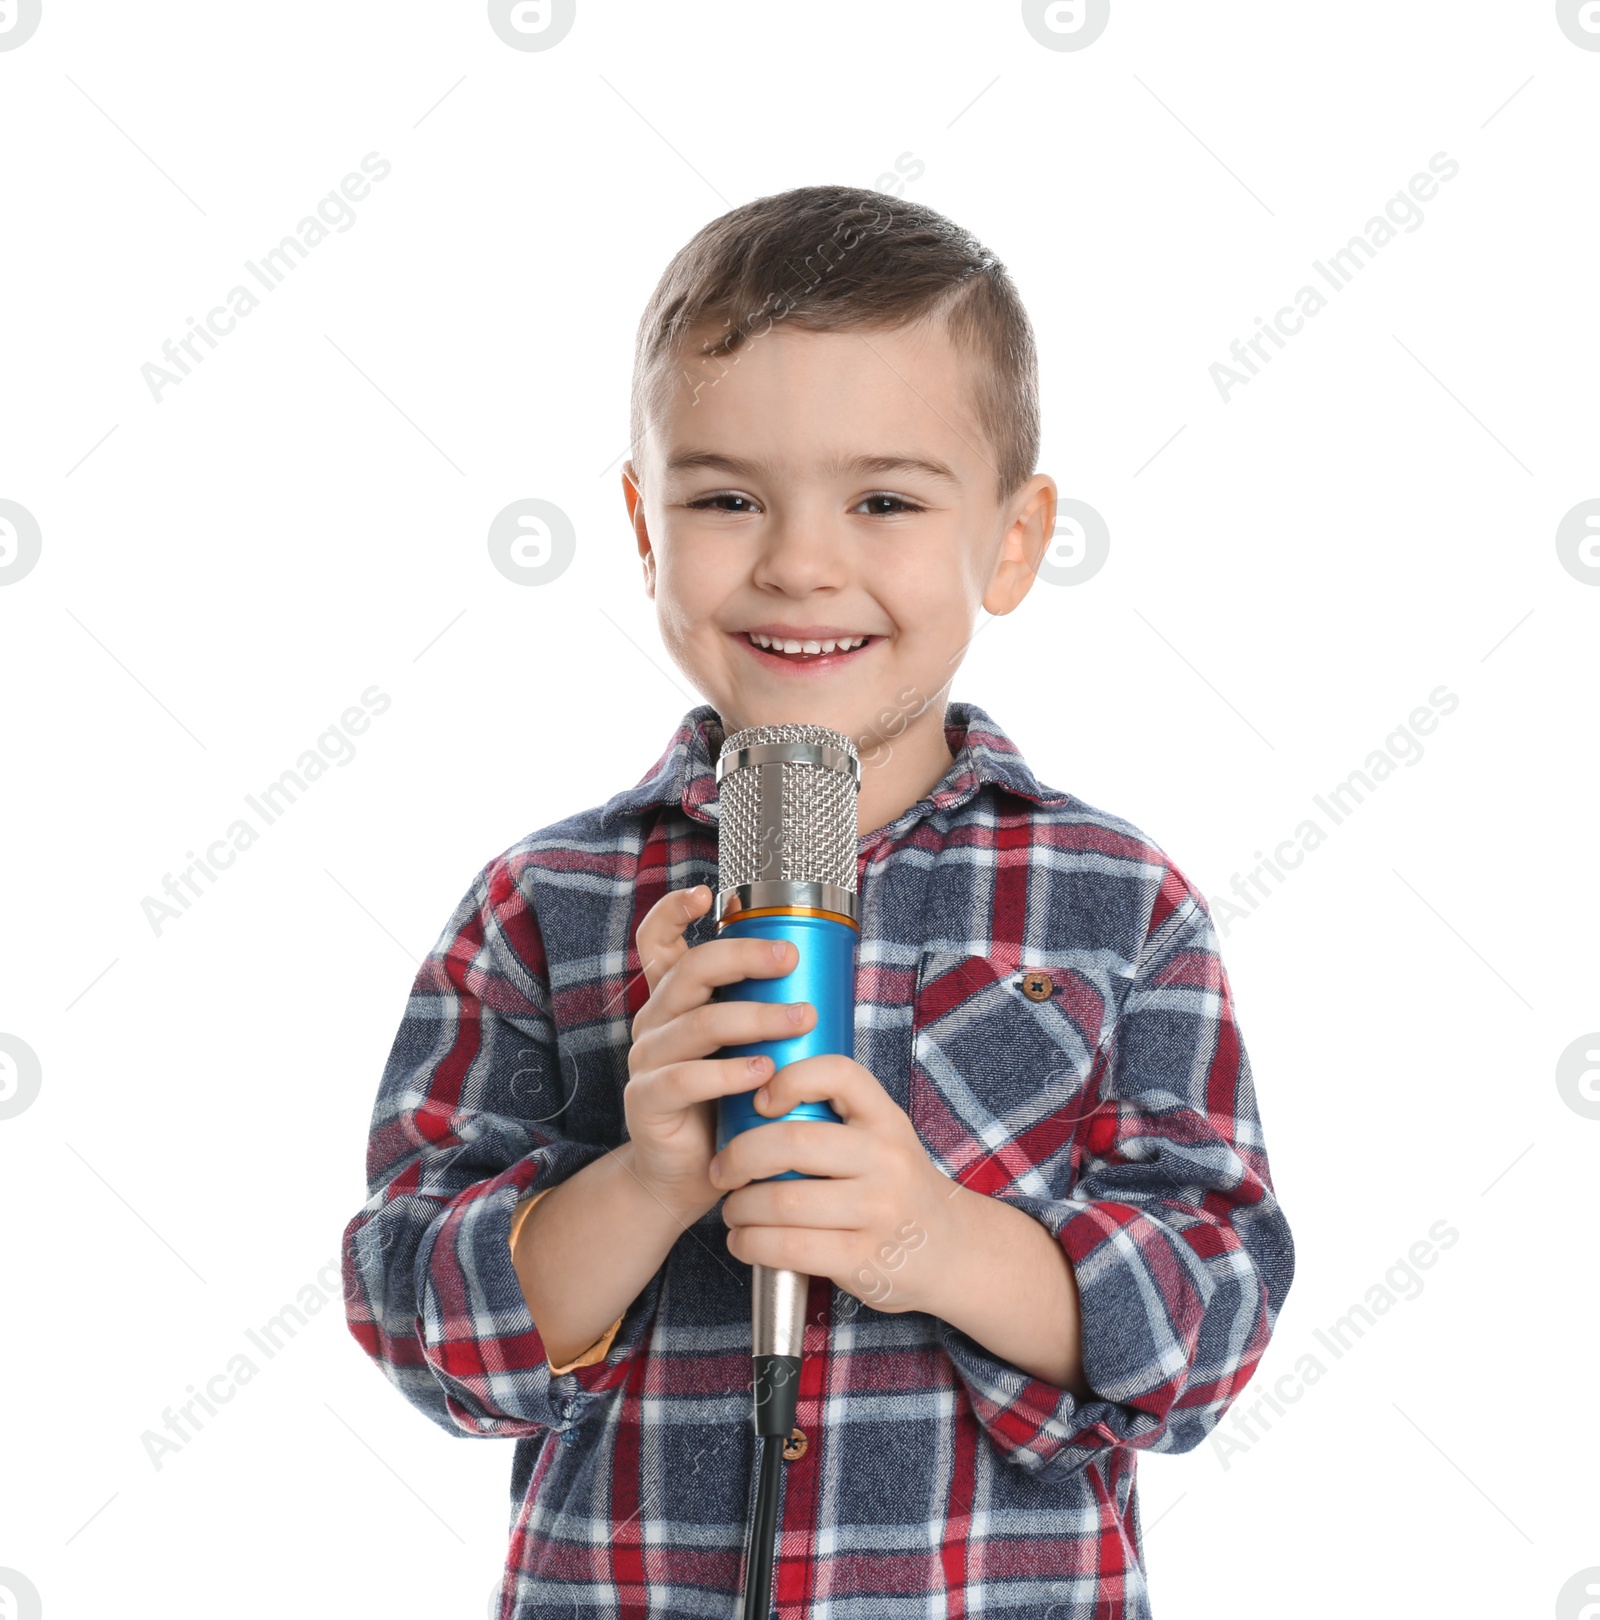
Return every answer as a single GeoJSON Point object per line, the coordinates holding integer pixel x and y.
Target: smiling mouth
{"type": "Point", "coordinates": [789, 647]}
{"type": "Point", "coordinates": [796, 654]}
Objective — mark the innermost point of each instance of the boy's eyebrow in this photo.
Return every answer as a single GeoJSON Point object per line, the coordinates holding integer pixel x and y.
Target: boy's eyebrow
{"type": "Point", "coordinates": [687, 460]}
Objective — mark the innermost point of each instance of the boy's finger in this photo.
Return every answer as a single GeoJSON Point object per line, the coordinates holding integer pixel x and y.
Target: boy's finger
{"type": "Point", "coordinates": [677, 1086]}
{"type": "Point", "coordinates": [719, 962]}
{"type": "Point", "coordinates": [700, 1032]}
{"type": "Point", "coordinates": [814, 1147]}
{"type": "Point", "coordinates": [659, 937]}
{"type": "Point", "coordinates": [852, 1091]}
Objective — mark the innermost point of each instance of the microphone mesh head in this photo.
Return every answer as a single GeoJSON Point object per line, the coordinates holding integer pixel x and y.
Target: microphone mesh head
{"type": "Point", "coordinates": [808, 833]}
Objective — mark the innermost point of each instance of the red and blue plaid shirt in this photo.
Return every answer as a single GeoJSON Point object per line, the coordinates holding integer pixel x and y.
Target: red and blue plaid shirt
{"type": "Point", "coordinates": [1112, 1100]}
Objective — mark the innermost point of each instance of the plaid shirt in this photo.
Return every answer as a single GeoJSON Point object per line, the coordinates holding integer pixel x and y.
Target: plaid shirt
{"type": "Point", "coordinates": [1040, 989]}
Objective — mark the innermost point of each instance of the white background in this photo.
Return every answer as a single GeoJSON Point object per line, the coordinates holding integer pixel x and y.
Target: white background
{"type": "Point", "coordinates": [305, 517]}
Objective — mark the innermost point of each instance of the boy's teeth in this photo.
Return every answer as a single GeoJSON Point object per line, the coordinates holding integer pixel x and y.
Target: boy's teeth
{"type": "Point", "coordinates": [791, 645]}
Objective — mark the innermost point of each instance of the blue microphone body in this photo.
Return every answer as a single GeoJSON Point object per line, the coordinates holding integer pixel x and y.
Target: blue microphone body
{"type": "Point", "coordinates": [786, 870]}
{"type": "Point", "coordinates": [825, 975]}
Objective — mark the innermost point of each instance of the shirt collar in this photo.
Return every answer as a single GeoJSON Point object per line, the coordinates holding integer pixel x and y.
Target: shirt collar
{"type": "Point", "coordinates": [685, 774]}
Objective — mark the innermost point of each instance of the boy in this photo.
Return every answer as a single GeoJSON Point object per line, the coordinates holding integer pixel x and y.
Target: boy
{"type": "Point", "coordinates": [1044, 1234]}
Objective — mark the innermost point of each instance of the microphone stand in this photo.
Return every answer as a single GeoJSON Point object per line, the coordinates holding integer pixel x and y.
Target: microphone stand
{"type": "Point", "coordinates": [778, 1320]}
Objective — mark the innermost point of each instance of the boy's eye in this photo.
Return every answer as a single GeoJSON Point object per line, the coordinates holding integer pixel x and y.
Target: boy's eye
{"type": "Point", "coordinates": [706, 501]}
{"type": "Point", "coordinates": [880, 505]}
{"type": "Point", "coordinates": [894, 501]}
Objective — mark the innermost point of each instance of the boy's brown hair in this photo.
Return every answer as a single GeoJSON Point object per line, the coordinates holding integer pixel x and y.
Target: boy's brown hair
{"type": "Point", "coordinates": [836, 258]}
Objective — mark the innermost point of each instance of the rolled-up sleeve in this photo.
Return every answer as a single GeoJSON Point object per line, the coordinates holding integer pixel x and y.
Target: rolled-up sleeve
{"type": "Point", "coordinates": [1181, 1252]}
{"type": "Point", "coordinates": [468, 1122]}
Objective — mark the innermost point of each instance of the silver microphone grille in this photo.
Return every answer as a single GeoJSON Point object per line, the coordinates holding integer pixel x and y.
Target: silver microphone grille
{"type": "Point", "coordinates": [787, 808]}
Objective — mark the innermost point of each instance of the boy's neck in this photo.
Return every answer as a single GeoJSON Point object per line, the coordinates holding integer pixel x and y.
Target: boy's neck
{"type": "Point", "coordinates": [900, 770]}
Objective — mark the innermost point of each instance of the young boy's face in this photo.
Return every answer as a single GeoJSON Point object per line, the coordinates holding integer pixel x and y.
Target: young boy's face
{"type": "Point", "coordinates": [828, 486]}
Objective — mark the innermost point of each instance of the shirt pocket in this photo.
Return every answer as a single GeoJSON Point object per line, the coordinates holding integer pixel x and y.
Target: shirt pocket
{"type": "Point", "coordinates": [1002, 1082]}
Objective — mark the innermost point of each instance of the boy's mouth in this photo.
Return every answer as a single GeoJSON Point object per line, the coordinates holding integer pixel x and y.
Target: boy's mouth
{"type": "Point", "coordinates": [808, 652]}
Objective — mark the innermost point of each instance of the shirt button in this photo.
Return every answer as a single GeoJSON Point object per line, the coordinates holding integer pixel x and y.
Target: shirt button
{"type": "Point", "coordinates": [795, 1446]}
{"type": "Point", "coordinates": [1037, 986]}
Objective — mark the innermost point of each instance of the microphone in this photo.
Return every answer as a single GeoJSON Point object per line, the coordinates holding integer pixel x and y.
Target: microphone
{"type": "Point", "coordinates": [786, 869]}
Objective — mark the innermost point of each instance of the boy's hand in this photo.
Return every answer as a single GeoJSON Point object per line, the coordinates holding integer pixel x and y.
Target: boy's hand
{"type": "Point", "coordinates": [673, 1083]}
{"type": "Point", "coordinates": [879, 1220]}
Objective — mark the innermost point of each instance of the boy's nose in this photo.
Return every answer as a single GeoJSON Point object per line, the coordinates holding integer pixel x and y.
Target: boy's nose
{"type": "Point", "coordinates": [801, 555]}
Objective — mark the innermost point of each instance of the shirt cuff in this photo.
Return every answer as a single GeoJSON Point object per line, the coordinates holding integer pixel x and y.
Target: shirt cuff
{"type": "Point", "coordinates": [601, 1347]}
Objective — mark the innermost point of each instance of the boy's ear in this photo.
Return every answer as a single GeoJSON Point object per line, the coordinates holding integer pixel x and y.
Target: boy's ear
{"type": "Point", "coordinates": [1022, 549]}
{"type": "Point", "coordinates": [634, 497]}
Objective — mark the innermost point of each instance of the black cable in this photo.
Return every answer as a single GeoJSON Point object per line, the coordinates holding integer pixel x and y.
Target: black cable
{"type": "Point", "coordinates": [776, 1390]}
{"type": "Point", "coordinates": [763, 1532]}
